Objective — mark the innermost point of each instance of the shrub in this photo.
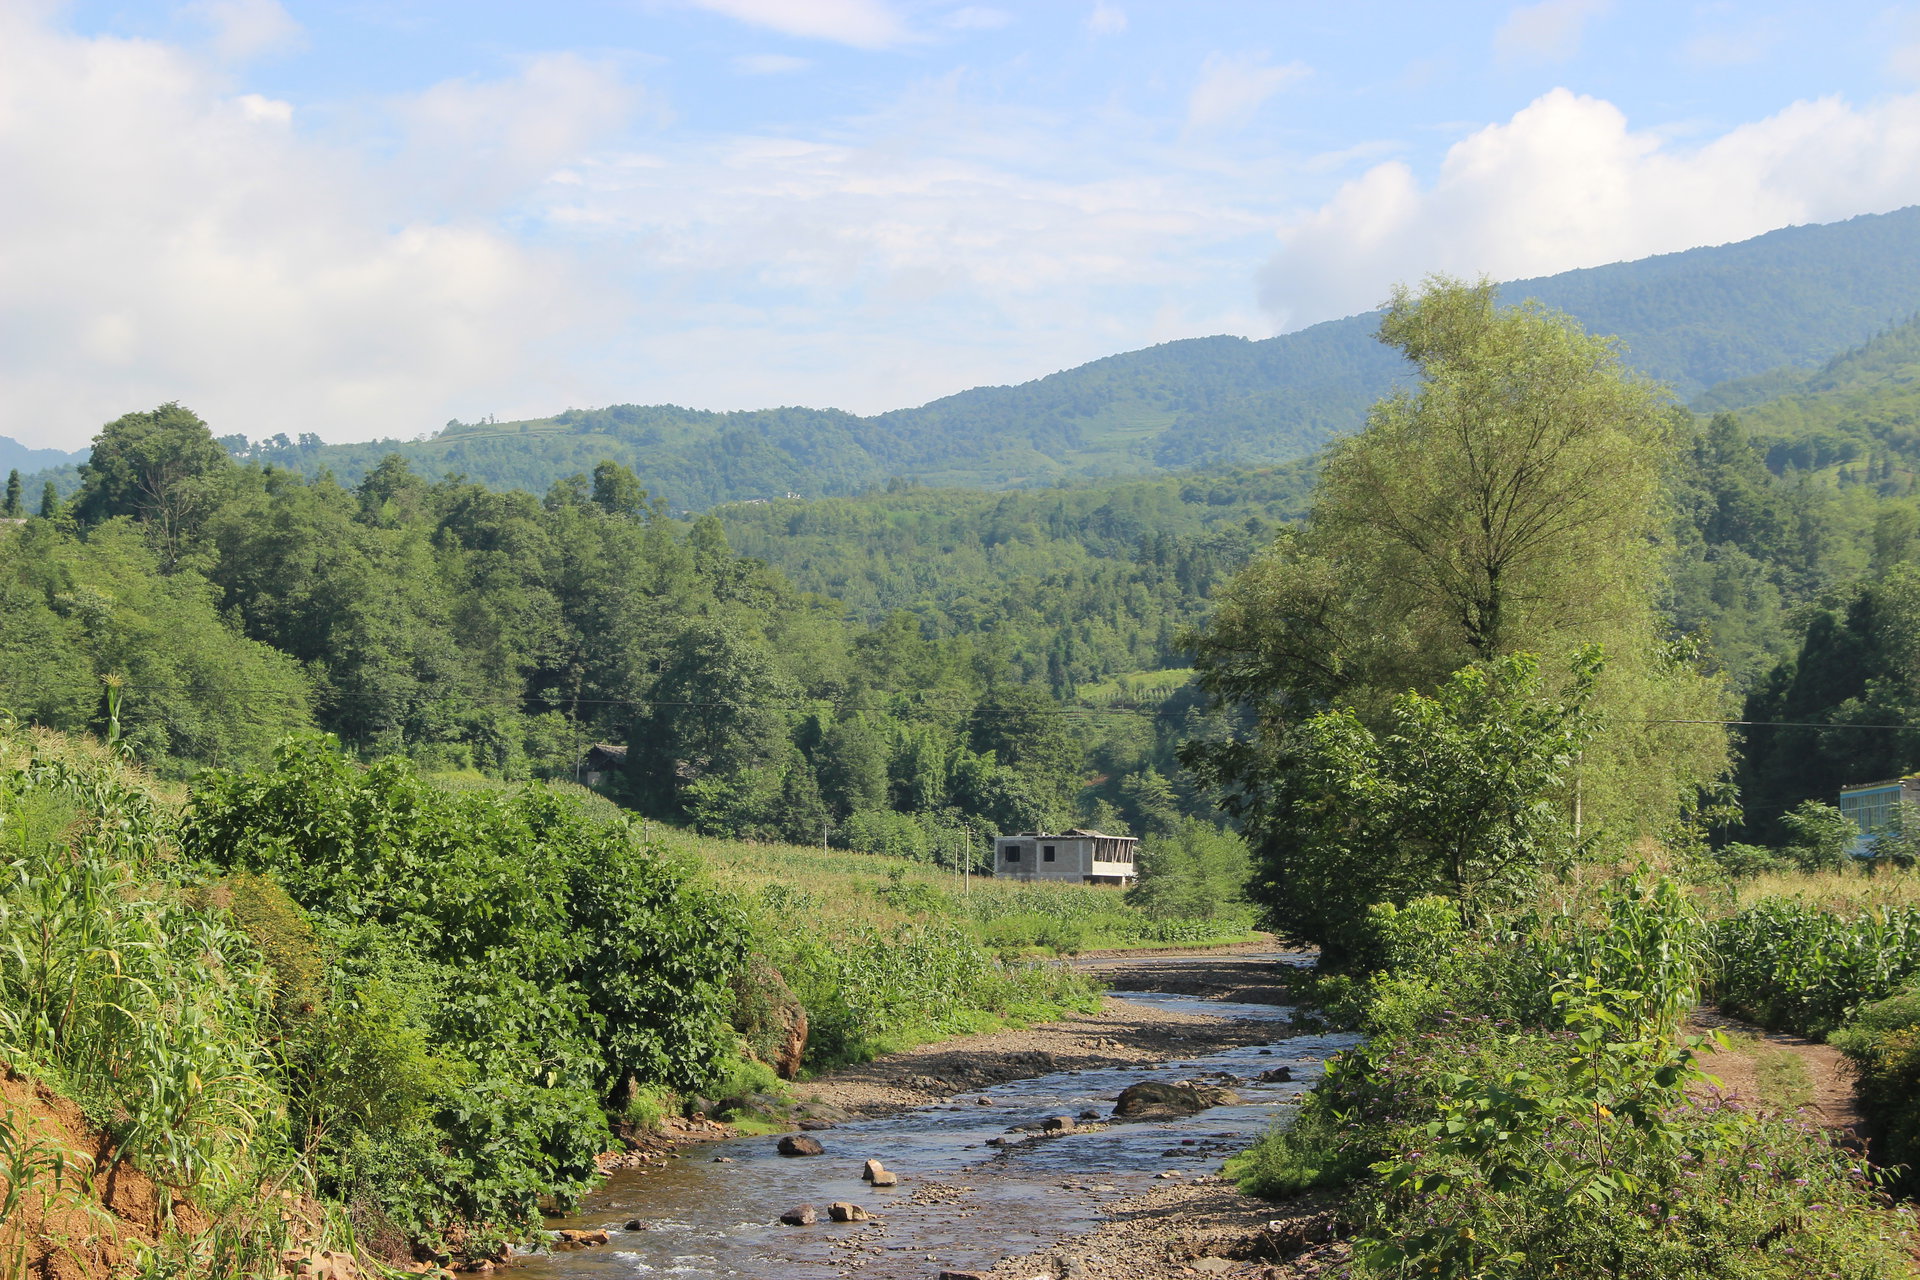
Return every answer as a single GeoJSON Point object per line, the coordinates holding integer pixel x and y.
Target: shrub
{"type": "Point", "coordinates": [561, 957]}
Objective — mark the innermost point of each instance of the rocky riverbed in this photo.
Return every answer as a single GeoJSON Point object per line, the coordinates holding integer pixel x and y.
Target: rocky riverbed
{"type": "Point", "coordinates": [1010, 1159]}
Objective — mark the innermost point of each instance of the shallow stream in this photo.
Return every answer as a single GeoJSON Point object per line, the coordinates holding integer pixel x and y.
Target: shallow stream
{"type": "Point", "coordinates": [962, 1204]}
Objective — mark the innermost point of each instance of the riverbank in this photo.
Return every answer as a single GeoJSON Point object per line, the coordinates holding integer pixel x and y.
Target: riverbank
{"type": "Point", "coordinates": [1120, 1033]}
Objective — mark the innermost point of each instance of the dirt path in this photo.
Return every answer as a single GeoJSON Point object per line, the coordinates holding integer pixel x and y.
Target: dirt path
{"type": "Point", "coordinates": [1776, 1070]}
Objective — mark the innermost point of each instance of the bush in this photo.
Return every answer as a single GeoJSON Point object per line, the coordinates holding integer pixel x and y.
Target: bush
{"type": "Point", "coordinates": [884, 831]}
{"type": "Point", "coordinates": [562, 958]}
{"type": "Point", "coordinates": [1820, 837]}
{"type": "Point", "coordinates": [1745, 861]}
{"type": "Point", "coordinates": [1883, 1044]}
{"type": "Point", "coordinates": [1558, 1139]}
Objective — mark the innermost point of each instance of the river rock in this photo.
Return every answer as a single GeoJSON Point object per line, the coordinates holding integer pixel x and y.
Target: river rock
{"type": "Point", "coordinates": [871, 1169]}
{"type": "Point", "coordinates": [1279, 1075]}
{"type": "Point", "coordinates": [634, 1224]}
{"type": "Point", "coordinates": [1057, 1125]}
{"type": "Point", "coordinates": [802, 1215]}
{"type": "Point", "coordinates": [847, 1211]}
{"type": "Point", "coordinates": [961, 1275]}
{"type": "Point", "coordinates": [799, 1144]}
{"type": "Point", "coordinates": [1152, 1100]}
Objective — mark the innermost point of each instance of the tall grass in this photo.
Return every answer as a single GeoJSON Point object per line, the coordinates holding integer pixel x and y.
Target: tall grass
{"type": "Point", "coordinates": [144, 1009]}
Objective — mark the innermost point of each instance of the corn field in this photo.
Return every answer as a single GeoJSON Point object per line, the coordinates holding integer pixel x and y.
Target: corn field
{"type": "Point", "coordinates": [1795, 967]}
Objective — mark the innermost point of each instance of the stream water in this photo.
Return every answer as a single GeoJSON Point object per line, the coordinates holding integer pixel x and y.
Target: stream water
{"type": "Point", "coordinates": [962, 1203]}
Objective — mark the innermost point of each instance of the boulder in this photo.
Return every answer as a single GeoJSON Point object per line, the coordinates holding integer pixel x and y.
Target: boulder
{"type": "Point", "coordinates": [885, 1178]}
{"type": "Point", "coordinates": [799, 1144]}
{"type": "Point", "coordinates": [961, 1275]}
{"type": "Point", "coordinates": [803, 1215]}
{"type": "Point", "coordinates": [1152, 1100]}
{"type": "Point", "coordinates": [581, 1239]}
{"type": "Point", "coordinates": [871, 1168]}
{"type": "Point", "coordinates": [1279, 1075]}
{"type": "Point", "coordinates": [847, 1211]}
{"type": "Point", "coordinates": [1058, 1124]}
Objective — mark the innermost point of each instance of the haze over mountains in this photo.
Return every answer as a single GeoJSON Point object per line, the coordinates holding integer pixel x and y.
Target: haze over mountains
{"type": "Point", "coordinates": [1761, 314]}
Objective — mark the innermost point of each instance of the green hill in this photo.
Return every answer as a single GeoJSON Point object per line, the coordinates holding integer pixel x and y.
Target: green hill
{"type": "Point", "coordinates": [1699, 319]}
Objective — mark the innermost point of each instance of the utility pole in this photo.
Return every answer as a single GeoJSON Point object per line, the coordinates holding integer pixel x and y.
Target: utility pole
{"type": "Point", "coordinates": [966, 860]}
{"type": "Point", "coordinates": [823, 835]}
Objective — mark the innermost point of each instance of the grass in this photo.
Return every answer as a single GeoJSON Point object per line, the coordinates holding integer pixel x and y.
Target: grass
{"type": "Point", "coordinates": [838, 885]}
{"type": "Point", "coordinates": [1849, 891]}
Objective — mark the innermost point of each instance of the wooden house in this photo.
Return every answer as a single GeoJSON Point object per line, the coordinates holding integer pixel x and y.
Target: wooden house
{"type": "Point", "coordinates": [605, 764]}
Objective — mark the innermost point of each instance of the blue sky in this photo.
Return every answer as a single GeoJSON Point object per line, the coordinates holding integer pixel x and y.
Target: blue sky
{"type": "Point", "coordinates": [363, 219]}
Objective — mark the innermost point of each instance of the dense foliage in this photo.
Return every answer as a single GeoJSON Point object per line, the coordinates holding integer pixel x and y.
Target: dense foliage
{"type": "Point", "coordinates": [1534, 1118]}
{"type": "Point", "coordinates": [1510, 502]}
{"type": "Point", "coordinates": [429, 1006]}
{"type": "Point", "coordinates": [469, 629]}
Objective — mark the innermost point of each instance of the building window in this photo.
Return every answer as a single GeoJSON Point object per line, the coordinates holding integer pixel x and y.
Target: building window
{"type": "Point", "coordinates": [1013, 853]}
{"type": "Point", "coordinates": [1046, 853]}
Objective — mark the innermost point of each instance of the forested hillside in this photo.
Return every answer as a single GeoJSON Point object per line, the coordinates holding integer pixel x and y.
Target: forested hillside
{"type": "Point", "coordinates": [1788, 299]}
{"type": "Point", "coordinates": [497, 632]}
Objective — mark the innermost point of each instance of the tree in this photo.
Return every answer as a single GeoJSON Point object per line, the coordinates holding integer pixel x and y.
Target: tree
{"type": "Point", "coordinates": [1193, 871]}
{"type": "Point", "coordinates": [1464, 794]}
{"type": "Point", "coordinates": [718, 717]}
{"type": "Point", "coordinates": [1511, 501]}
{"type": "Point", "coordinates": [1819, 836]}
{"type": "Point", "coordinates": [617, 491]}
{"type": "Point", "coordinates": [1516, 492]}
{"type": "Point", "coordinates": [49, 501]}
{"type": "Point", "coordinates": [14, 507]}
{"type": "Point", "coordinates": [852, 764]}
{"type": "Point", "coordinates": [163, 468]}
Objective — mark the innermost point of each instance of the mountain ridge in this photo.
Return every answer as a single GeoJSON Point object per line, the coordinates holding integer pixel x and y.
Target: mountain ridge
{"type": "Point", "coordinates": [1696, 319]}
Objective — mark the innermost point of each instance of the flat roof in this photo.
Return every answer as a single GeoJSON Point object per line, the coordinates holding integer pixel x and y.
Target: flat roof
{"type": "Point", "coordinates": [1876, 786]}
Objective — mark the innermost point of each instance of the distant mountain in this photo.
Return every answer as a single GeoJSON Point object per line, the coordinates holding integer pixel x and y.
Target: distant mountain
{"type": "Point", "coordinates": [1789, 299]}
{"type": "Point", "coordinates": [1860, 411]}
{"type": "Point", "coordinates": [17, 456]}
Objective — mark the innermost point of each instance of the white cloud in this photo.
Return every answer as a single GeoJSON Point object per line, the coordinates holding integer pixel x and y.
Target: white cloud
{"type": "Point", "coordinates": [864, 24]}
{"type": "Point", "coordinates": [491, 139]}
{"type": "Point", "coordinates": [1549, 31]}
{"type": "Point", "coordinates": [162, 240]}
{"type": "Point", "coordinates": [247, 28]}
{"type": "Point", "coordinates": [1567, 183]}
{"type": "Point", "coordinates": [1106, 19]}
{"type": "Point", "coordinates": [769, 64]}
{"type": "Point", "coordinates": [1232, 87]}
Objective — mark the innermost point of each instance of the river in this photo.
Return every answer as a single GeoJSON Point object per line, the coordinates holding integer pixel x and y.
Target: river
{"type": "Point", "coordinates": [962, 1203]}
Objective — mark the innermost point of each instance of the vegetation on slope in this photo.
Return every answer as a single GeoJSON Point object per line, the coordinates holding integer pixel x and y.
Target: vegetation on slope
{"type": "Point", "coordinates": [428, 1007]}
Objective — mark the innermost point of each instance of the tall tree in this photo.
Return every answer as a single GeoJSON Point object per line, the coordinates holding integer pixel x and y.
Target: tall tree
{"type": "Point", "coordinates": [14, 506]}
{"type": "Point", "coordinates": [1511, 500]}
{"type": "Point", "coordinates": [163, 468]}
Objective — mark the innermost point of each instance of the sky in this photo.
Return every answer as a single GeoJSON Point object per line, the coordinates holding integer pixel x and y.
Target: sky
{"type": "Point", "coordinates": [364, 218]}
